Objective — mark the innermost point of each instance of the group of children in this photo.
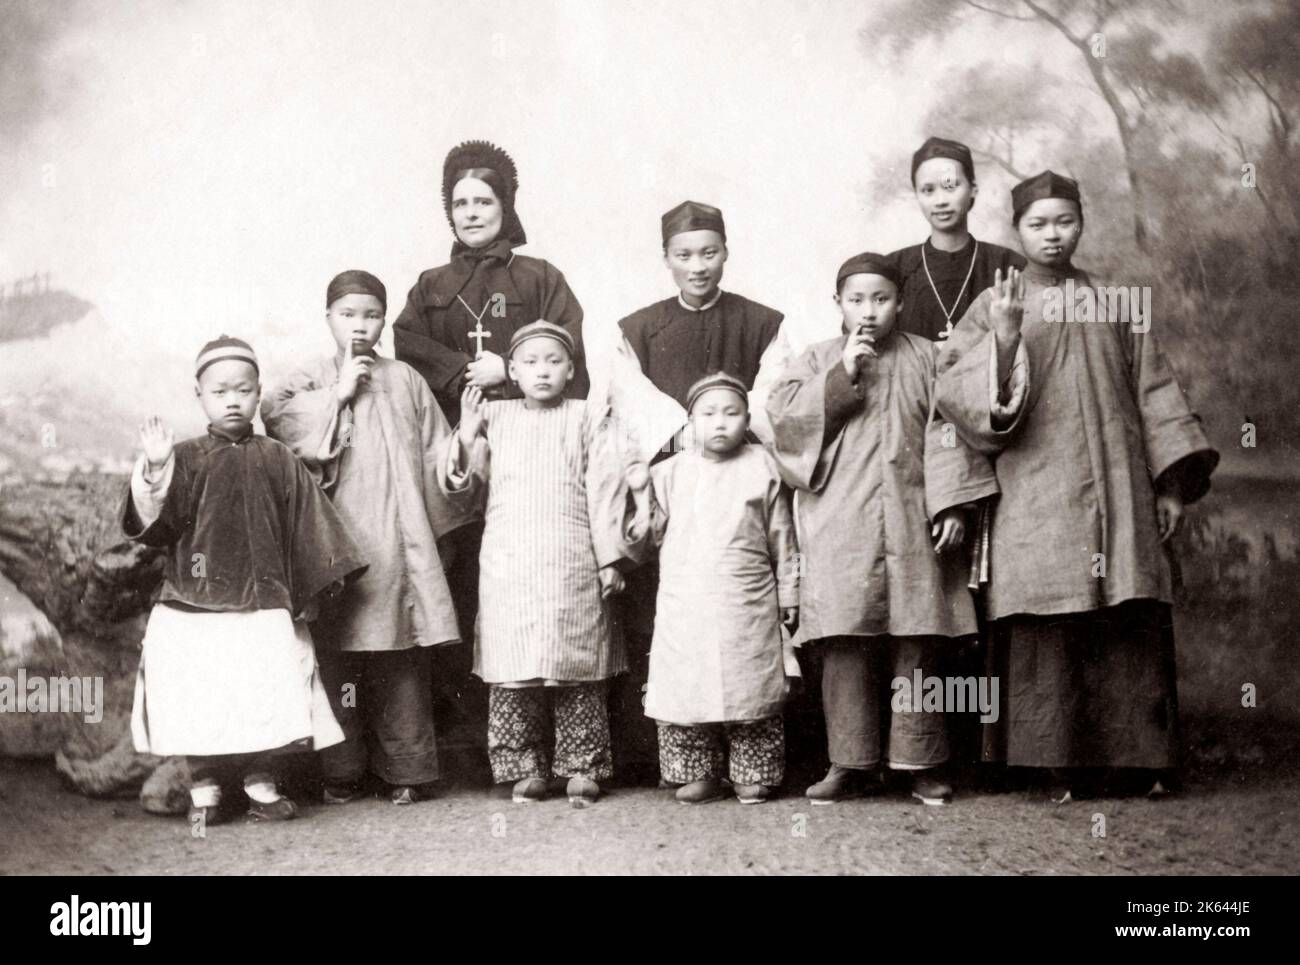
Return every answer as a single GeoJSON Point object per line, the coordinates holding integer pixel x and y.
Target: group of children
{"type": "Point", "coordinates": [953, 452]}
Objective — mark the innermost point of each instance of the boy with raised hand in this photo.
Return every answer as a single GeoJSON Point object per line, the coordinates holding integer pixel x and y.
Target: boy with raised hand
{"type": "Point", "coordinates": [548, 471]}
{"type": "Point", "coordinates": [1096, 452]}
{"type": "Point", "coordinates": [228, 672]}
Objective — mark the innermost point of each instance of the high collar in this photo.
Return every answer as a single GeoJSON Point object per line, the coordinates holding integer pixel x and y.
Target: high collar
{"type": "Point", "coordinates": [703, 308]}
{"type": "Point", "coordinates": [221, 435]}
{"type": "Point", "coordinates": [962, 252]}
{"type": "Point", "coordinates": [1049, 277]}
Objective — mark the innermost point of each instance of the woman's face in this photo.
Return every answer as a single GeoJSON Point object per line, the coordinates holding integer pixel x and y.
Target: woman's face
{"type": "Point", "coordinates": [475, 212]}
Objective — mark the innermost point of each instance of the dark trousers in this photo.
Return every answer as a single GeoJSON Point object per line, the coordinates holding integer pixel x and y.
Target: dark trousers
{"type": "Point", "coordinates": [856, 677]}
{"type": "Point", "coordinates": [1095, 689]}
{"type": "Point", "coordinates": [225, 769]}
{"type": "Point", "coordinates": [383, 700]}
{"type": "Point", "coordinates": [632, 732]}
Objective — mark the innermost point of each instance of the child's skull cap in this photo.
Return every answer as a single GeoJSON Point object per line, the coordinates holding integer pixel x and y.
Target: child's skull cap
{"type": "Point", "coordinates": [220, 349]}
{"type": "Point", "coordinates": [718, 380]}
{"type": "Point", "coordinates": [542, 329]}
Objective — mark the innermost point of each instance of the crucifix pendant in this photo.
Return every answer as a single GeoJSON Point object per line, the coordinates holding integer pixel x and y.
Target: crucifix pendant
{"type": "Point", "coordinates": [479, 333]}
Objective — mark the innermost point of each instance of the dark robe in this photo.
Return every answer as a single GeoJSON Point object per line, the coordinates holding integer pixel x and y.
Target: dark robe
{"type": "Point", "coordinates": [1090, 427]}
{"type": "Point", "coordinates": [432, 334]}
{"type": "Point", "coordinates": [921, 313]}
{"type": "Point", "coordinates": [246, 527]}
{"type": "Point", "coordinates": [677, 346]}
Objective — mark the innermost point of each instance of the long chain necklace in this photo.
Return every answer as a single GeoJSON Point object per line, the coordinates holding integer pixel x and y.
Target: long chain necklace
{"type": "Point", "coordinates": [947, 315]}
{"type": "Point", "coordinates": [479, 333]}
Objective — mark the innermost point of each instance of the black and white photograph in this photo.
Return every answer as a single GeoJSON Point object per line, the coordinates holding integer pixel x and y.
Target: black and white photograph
{"type": "Point", "coordinates": [595, 438]}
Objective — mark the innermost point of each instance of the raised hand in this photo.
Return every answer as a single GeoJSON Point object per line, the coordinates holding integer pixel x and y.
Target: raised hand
{"type": "Point", "coordinates": [353, 373]}
{"type": "Point", "coordinates": [486, 371]}
{"type": "Point", "coordinates": [157, 440]}
{"type": "Point", "coordinates": [859, 346]}
{"type": "Point", "coordinates": [1007, 310]}
{"type": "Point", "coordinates": [949, 530]}
{"type": "Point", "coordinates": [473, 413]}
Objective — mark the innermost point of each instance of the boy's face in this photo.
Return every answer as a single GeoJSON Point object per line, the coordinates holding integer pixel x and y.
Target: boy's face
{"type": "Point", "coordinates": [696, 258]}
{"type": "Point", "coordinates": [869, 302]}
{"type": "Point", "coordinates": [475, 212]}
{"type": "Point", "coordinates": [719, 419]}
{"type": "Point", "coordinates": [944, 193]}
{"type": "Point", "coordinates": [228, 391]}
{"type": "Point", "coordinates": [542, 368]}
{"type": "Point", "coordinates": [357, 320]}
{"type": "Point", "coordinates": [1049, 231]}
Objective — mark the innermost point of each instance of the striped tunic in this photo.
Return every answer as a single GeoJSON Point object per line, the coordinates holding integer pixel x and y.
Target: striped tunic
{"type": "Point", "coordinates": [554, 493]}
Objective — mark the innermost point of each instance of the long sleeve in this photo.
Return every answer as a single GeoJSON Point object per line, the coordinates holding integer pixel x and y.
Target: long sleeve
{"type": "Point", "coordinates": [442, 366]}
{"type": "Point", "coordinates": [606, 489]}
{"type": "Point", "coordinates": [323, 552]}
{"type": "Point", "coordinates": [649, 418]}
{"type": "Point", "coordinates": [464, 474]}
{"type": "Point", "coordinates": [782, 546]}
{"type": "Point", "coordinates": [1178, 454]}
{"type": "Point", "coordinates": [986, 414]}
{"type": "Point", "coordinates": [153, 511]}
{"type": "Point", "coordinates": [843, 400]}
{"type": "Point", "coordinates": [149, 490]}
{"type": "Point", "coordinates": [955, 473]}
{"type": "Point", "coordinates": [775, 359]}
{"type": "Point", "coordinates": [447, 510]}
{"type": "Point", "coordinates": [804, 405]}
{"type": "Point", "coordinates": [305, 414]}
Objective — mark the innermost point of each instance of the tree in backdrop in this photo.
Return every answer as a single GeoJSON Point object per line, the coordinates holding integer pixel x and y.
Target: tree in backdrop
{"type": "Point", "coordinates": [1179, 119]}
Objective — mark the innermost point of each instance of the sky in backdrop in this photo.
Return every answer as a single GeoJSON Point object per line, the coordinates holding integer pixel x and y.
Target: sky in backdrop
{"type": "Point", "coordinates": [204, 167]}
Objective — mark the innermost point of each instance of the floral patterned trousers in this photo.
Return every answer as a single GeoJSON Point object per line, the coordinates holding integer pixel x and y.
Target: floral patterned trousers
{"type": "Point", "coordinates": [522, 720]}
{"type": "Point", "coordinates": [752, 752]}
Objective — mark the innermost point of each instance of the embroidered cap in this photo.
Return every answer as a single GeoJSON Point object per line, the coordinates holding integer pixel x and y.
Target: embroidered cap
{"type": "Point", "coordinates": [355, 282]}
{"type": "Point", "coordinates": [542, 329]}
{"type": "Point", "coordinates": [222, 348]}
{"type": "Point", "coordinates": [718, 380]}
{"type": "Point", "coordinates": [692, 216]}
{"type": "Point", "coordinates": [1047, 184]}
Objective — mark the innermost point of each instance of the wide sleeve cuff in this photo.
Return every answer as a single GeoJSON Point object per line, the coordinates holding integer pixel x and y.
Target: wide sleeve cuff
{"type": "Point", "coordinates": [149, 490]}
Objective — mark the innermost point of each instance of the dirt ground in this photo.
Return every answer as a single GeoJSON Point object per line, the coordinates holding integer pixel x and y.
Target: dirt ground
{"type": "Point", "coordinates": [1219, 824]}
